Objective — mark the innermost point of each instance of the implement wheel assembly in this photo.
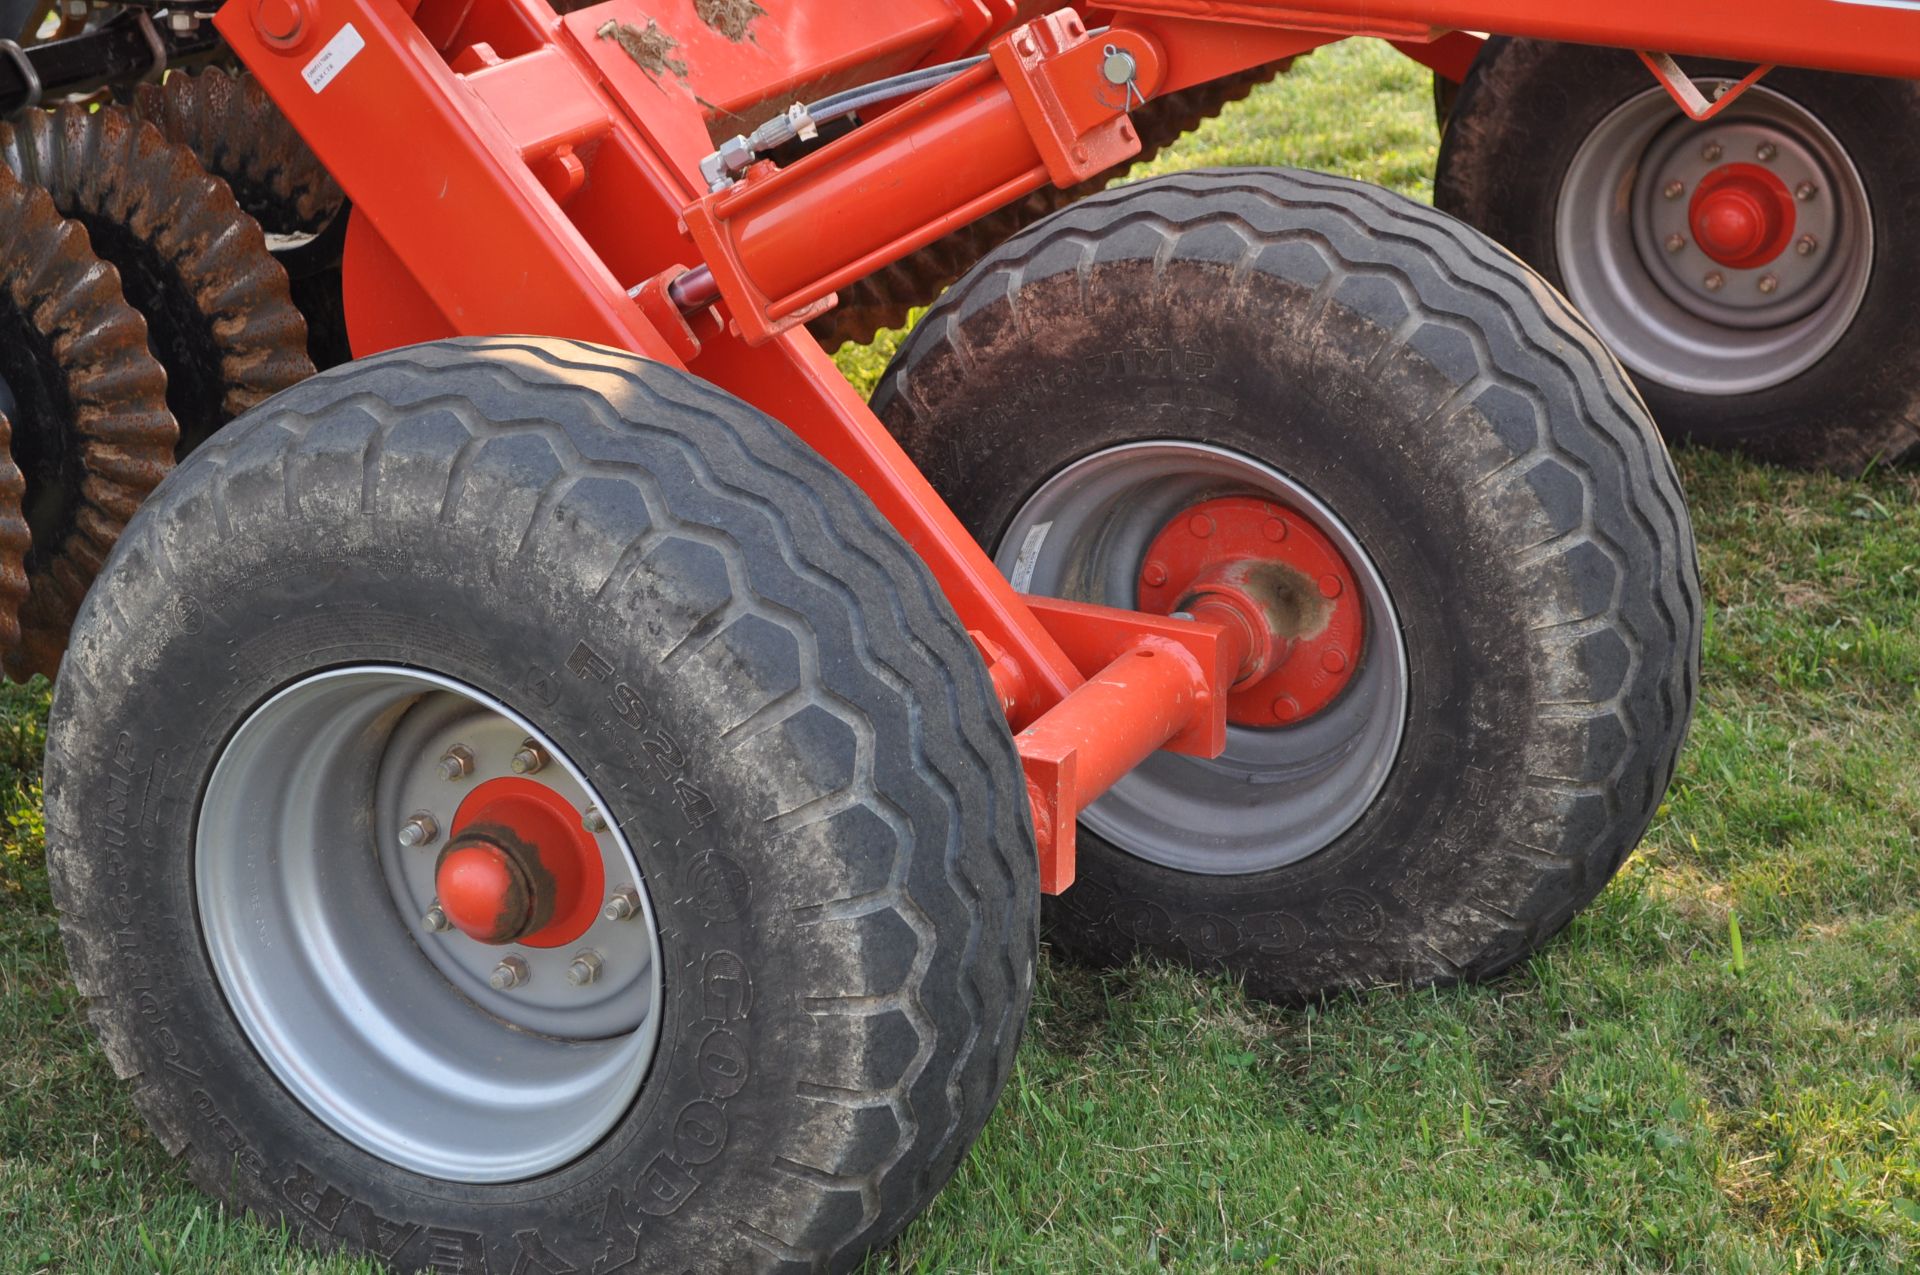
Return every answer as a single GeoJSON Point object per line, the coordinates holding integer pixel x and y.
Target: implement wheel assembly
{"type": "Point", "coordinates": [656, 882]}
{"type": "Point", "coordinates": [1476, 564]}
{"type": "Point", "coordinates": [1751, 270]}
{"type": "Point", "coordinates": [218, 314]}
{"type": "Point", "coordinates": [90, 434]}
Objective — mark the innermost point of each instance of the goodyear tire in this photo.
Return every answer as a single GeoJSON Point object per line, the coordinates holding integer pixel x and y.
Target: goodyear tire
{"type": "Point", "coordinates": [807, 987]}
{"type": "Point", "coordinates": [1385, 377]}
{"type": "Point", "coordinates": [1790, 337]}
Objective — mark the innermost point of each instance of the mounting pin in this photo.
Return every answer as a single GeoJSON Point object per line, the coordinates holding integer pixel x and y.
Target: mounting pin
{"type": "Point", "coordinates": [510, 973]}
{"type": "Point", "coordinates": [530, 760]}
{"type": "Point", "coordinates": [457, 763]}
{"type": "Point", "coordinates": [585, 967]}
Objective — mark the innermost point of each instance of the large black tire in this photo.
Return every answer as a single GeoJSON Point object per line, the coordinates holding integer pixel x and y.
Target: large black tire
{"type": "Point", "coordinates": [1519, 122]}
{"type": "Point", "coordinates": [490, 509]}
{"type": "Point", "coordinates": [1486, 452]}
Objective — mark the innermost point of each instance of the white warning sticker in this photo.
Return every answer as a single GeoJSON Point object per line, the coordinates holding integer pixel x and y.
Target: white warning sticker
{"type": "Point", "coordinates": [333, 58]}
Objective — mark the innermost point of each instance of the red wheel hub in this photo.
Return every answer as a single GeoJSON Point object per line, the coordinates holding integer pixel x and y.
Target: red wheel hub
{"type": "Point", "coordinates": [1742, 216]}
{"type": "Point", "coordinates": [519, 866]}
{"type": "Point", "coordinates": [1274, 579]}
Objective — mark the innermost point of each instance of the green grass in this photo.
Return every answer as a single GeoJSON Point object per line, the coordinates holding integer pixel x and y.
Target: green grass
{"type": "Point", "coordinates": [1643, 1097]}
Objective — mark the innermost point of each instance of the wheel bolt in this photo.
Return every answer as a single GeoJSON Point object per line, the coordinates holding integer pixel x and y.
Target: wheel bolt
{"type": "Point", "coordinates": [621, 904]}
{"type": "Point", "coordinates": [1286, 708]}
{"type": "Point", "coordinates": [420, 830]}
{"type": "Point", "coordinates": [1769, 282]}
{"type": "Point", "coordinates": [1330, 586]}
{"type": "Point", "coordinates": [1710, 152]}
{"type": "Point", "coordinates": [436, 920]}
{"type": "Point", "coordinates": [1200, 525]}
{"type": "Point", "coordinates": [585, 967]}
{"type": "Point", "coordinates": [530, 760]}
{"type": "Point", "coordinates": [1275, 529]}
{"type": "Point", "coordinates": [1334, 660]}
{"type": "Point", "coordinates": [593, 820]}
{"type": "Point", "coordinates": [457, 763]}
{"type": "Point", "coordinates": [1676, 242]}
{"type": "Point", "coordinates": [1806, 245]}
{"type": "Point", "coordinates": [1675, 189]}
{"type": "Point", "coordinates": [510, 973]}
{"type": "Point", "coordinates": [1805, 191]}
{"type": "Point", "coordinates": [1155, 574]}
{"type": "Point", "coordinates": [1714, 280]}
{"type": "Point", "coordinates": [1765, 152]}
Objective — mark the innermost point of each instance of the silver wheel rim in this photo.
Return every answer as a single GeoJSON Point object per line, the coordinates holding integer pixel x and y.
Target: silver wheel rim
{"type": "Point", "coordinates": [1277, 795]}
{"type": "Point", "coordinates": [385, 1029]}
{"type": "Point", "coordinates": [1674, 315]}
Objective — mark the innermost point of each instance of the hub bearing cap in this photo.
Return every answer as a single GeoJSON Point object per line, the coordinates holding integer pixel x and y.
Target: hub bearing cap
{"type": "Point", "coordinates": [367, 973]}
{"type": "Point", "coordinates": [1104, 528]}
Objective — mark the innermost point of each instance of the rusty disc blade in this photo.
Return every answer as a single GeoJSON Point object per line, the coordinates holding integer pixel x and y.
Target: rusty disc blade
{"type": "Point", "coordinates": [219, 317]}
{"type": "Point", "coordinates": [15, 539]}
{"type": "Point", "coordinates": [236, 132]}
{"type": "Point", "coordinates": [90, 431]}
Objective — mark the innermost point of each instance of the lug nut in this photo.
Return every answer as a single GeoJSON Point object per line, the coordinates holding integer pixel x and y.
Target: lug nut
{"type": "Point", "coordinates": [1769, 282]}
{"type": "Point", "coordinates": [1675, 189]}
{"type": "Point", "coordinates": [420, 830]}
{"type": "Point", "coordinates": [530, 760]}
{"type": "Point", "coordinates": [510, 973]}
{"type": "Point", "coordinates": [1806, 245]}
{"type": "Point", "coordinates": [456, 763]}
{"type": "Point", "coordinates": [1765, 152]}
{"type": "Point", "coordinates": [593, 820]}
{"type": "Point", "coordinates": [585, 967]}
{"type": "Point", "coordinates": [1710, 152]}
{"type": "Point", "coordinates": [621, 904]}
{"type": "Point", "coordinates": [1676, 242]}
{"type": "Point", "coordinates": [436, 920]}
{"type": "Point", "coordinates": [1714, 280]}
{"type": "Point", "coordinates": [1805, 191]}
{"type": "Point", "coordinates": [1155, 574]}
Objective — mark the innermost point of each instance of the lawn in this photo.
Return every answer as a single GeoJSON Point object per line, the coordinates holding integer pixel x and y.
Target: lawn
{"type": "Point", "coordinates": [1713, 1069]}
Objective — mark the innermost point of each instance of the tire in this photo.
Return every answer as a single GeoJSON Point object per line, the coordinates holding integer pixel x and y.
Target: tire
{"type": "Point", "coordinates": [1545, 136]}
{"type": "Point", "coordinates": [1445, 93]}
{"type": "Point", "coordinates": [744, 667]}
{"type": "Point", "coordinates": [1384, 372]}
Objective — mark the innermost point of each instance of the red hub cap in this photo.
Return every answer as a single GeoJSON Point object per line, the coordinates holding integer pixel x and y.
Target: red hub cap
{"type": "Point", "coordinates": [1266, 572]}
{"type": "Point", "coordinates": [1742, 216]}
{"type": "Point", "coordinates": [519, 867]}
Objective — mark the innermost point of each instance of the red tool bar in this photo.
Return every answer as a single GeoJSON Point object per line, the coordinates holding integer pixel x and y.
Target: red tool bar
{"type": "Point", "coordinates": [1874, 37]}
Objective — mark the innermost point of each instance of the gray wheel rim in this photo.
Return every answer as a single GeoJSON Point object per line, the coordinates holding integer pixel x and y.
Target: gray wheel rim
{"type": "Point", "coordinates": [1670, 312]}
{"type": "Point", "coordinates": [384, 1029]}
{"type": "Point", "coordinates": [1278, 795]}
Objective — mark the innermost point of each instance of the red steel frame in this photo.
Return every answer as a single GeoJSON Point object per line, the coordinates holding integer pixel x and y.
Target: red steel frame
{"type": "Point", "coordinates": [514, 171]}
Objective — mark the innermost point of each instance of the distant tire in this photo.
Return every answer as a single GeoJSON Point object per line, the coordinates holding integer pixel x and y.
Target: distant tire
{"type": "Point", "coordinates": [1753, 272]}
{"type": "Point", "coordinates": [1392, 386]}
{"type": "Point", "coordinates": [775, 755]}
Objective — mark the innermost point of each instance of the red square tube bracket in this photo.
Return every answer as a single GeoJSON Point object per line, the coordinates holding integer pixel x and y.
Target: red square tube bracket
{"type": "Point", "coordinates": [1153, 682]}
